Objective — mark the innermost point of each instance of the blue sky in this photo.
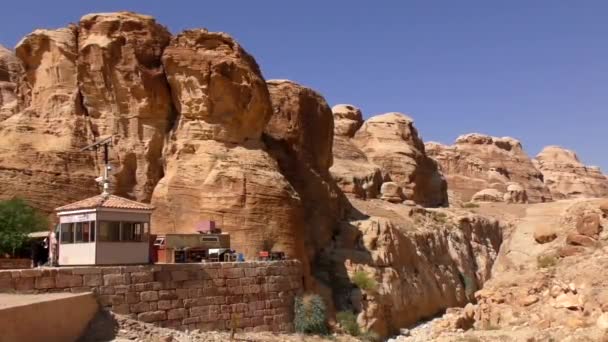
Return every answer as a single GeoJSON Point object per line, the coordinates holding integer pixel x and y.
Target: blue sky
{"type": "Point", "coordinates": [534, 70]}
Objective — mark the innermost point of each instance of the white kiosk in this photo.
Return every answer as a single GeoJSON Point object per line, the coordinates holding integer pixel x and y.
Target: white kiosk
{"type": "Point", "coordinates": [104, 230]}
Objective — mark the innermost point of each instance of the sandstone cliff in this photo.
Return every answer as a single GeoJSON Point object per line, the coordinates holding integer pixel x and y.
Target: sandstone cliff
{"type": "Point", "coordinates": [477, 162]}
{"type": "Point", "coordinates": [11, 71]}
{"type": "Point", "coordinates": [567, 177]}
{"type": "Point", "coordinates": [217, 166]}
{"type": "Point", "coordinates": [391, 141]}
{"type": "Point", "coordinates": [300, 137]}
{"type": "Point", "coordinates": [125, 94]}
{"type": "Point", "coordinates": [38, 150]}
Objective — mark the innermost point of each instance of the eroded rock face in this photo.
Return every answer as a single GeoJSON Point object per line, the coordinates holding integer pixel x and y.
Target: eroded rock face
{"type": "Point", "coordinates": [391, 141]}
{"type": "Point", "coordinates": [38, 150]}
{"type": "Point", "coordinates": [420, 266]}
{"type": "Point", "coordinates": [299, 136]}
{"type": "Point", "coordinates": [476, 162]}
{"type": "Point", "coordinates": [217, 166]}
{"type": "Point", "coordinates": [217, 88]}
{"type": "Point", "coordinates": [125, 94]}
{"type": "Point", "coordinates": [351, 170]}
{"type": "Point", "coordinates": [303, 120]}
{"type": "Point", "coordinates": [11, 71]}
{"type": "Point", "coordinates": [567, 177]}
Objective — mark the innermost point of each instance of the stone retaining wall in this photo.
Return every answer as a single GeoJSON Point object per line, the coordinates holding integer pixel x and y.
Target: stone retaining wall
{"type": "Point", "coordinates": [253, 296]}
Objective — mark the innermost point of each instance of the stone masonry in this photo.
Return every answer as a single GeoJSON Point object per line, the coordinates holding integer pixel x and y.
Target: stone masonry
{"type": "Point", "coordinates": [251, 296]}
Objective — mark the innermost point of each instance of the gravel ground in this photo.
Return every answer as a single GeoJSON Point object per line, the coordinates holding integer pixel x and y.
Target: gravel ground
{"type": "Point", "coordinates": [112, 327]}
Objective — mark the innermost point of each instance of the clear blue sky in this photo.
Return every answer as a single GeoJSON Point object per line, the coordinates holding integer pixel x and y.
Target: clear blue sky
{"type": "Point", "coordinates": [534, 70]}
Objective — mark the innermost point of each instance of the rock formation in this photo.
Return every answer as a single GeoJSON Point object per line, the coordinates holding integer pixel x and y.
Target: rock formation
{"type": "Point", "coordinates": [351, 170]}
{"type": "Point", "coordinates": [11, 71]}
{"type": "Point", "coordinates": [422, 262]}
{"type": "Point", "coordinates": [217, 166]}
{"type": "Point", "coordinates": [567, 177]}
{"type": "Point", "coordinates": [199, 133]}
{"type": "Point", "coordinates": [38, 150]}
{"type": "Point", "coordinates": [391, 141]}
{"type": "Point", "coordinates": [299, 136]}
{"type": "Point", "coordinates": [125, 94]}
{"type": "Point", "coordinates": [476, 162]}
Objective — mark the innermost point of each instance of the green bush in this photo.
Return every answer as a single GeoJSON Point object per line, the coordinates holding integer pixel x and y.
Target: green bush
{"type": "Point", "coordinates": [348, 322]}
{"type": "Point", "coordinates": [544, 261]}
{"type": "Point", "coordinates": [310, 315]}
{"type": "Point", "coordinates": [470, 205]}
{"type": "Point", "coordinates": [364, 281]}
{"type": "Point", "coordinates": [470, 285]}
{"type": "Point", "coordinates": [17, 219]}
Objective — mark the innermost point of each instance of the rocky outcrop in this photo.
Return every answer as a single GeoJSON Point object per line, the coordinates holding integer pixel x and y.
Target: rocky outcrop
{"type": "Point", "coordinates": [347, 120]}
{"type": "Point", "coordinates": [11, 71]}
{"type": "Point", "coordinates": [391, 141]}
{"type": "Point", "coordinates": [217, 166]}
{"type": "Point", "coordinates": [476, 162]}
{"type": "Point", "coordinates": [567, 177]}
{"type": "Point", "coordinates": [351, 170]}
{"type": "Point", "coordinates": [299, 136]}
{"type": "Point", "coordinates": [125, 94]}
{"type": "Point", "coordinates": [414, 264]}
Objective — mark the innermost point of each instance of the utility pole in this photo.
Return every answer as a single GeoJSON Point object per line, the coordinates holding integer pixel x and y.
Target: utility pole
{"type": "Point", "coordinates": [106, 143]}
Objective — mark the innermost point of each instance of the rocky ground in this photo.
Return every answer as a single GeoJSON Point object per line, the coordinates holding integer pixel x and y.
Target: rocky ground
{"type": "Point", "coordinates": [552, 290]}
{"type": "Point", "coordinates": [111, 327]}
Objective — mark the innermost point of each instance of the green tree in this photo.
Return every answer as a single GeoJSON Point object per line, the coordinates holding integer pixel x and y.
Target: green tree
{"type": "Point", "coordinates": [17, 219]}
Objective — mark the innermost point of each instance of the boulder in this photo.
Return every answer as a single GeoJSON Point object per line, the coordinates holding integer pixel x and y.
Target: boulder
{"type": "Point", "coordinates": [391, 141]}
{"type": "Point", "coordinates": [588, 224]}
{"type": "Point", "coordinates": [476, 162]}
{"type": "Point", "coordinates": [347, 119]}
{"type": "Point", "coordinates": [580, 240]}
{"type": "Point", "coordinates": [217, 167]}
{"type": "Point", "coordinates": [568, 301]}
{"type": "Point", "coordinates": [569, 250]}
{"type": "Point", "coordinates": [488, 195]}
{"type": "Point", "coordinates": [544, 234]}
{"type": "Point", "coordinates": [567, 177]}
{"type": "Point", "coordinates": [392, 192]}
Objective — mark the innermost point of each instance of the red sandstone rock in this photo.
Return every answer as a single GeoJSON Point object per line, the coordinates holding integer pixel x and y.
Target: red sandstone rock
{"type": "Point", "coordinates": [589, 224]}
{"type": "Point", "coordinates": [580, 240]}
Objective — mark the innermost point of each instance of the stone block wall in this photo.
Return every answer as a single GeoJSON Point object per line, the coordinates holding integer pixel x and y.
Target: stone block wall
{"type": "Point", "coordinates": [252, 296]}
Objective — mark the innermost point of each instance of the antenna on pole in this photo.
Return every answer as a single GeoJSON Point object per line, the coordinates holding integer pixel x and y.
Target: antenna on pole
{"type": "Point", "coordinates": [106, 143]}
